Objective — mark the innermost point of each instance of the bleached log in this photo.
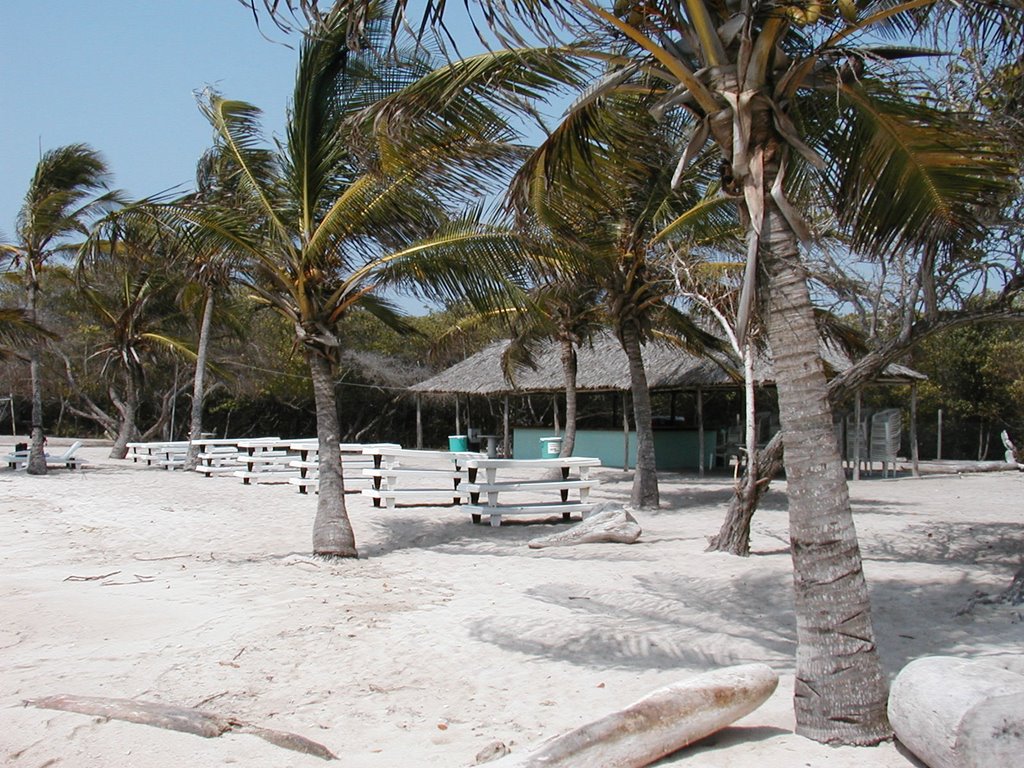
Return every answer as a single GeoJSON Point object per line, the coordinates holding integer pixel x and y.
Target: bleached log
{"type": "Point", "coordinates": [611, 523]}
{"type": "Point", "coordinates": [174, 718]}
{"type": "Point", "coordinates": [959, 713]}
{"type": "Point", "coordinates": [660, 723]}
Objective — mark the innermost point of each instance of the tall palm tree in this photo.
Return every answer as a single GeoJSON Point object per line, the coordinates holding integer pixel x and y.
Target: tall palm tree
{"type": "Point", "coordinates": [602, 185]}
{"type": "Point", "coordinates": [129, 280]}
{"type": "Point", "coordinates": [341, 213]}
{"type": "Point", "coordinates": [209, 268]}
{"type": "Point", "coordinates": [897, 172]}
{"type": "Point", "coordinates": [790, 93]}
{"type": "Point", "coordinates": [68, 188]}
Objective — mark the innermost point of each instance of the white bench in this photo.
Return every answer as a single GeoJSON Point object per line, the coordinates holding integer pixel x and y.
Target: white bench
{"type": "Point", "coordinates": [392, 466]}
{"type": "Point", "coordinates": [492, 489]}
{"type": "Point", "coordinates": [155, 452]}
{"type": "Point", "coordinates": [353, 460]}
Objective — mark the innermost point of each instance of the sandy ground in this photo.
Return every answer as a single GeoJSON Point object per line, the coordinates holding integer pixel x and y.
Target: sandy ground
{"type": "Point", "coordinates": [125, 581]}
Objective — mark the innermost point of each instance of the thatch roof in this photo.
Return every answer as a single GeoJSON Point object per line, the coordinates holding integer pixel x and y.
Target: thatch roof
{"type": "Point", "coordinates": [602, 367]}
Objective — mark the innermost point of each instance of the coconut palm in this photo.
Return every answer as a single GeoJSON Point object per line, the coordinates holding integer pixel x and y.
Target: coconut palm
{"type": "Point", "coordinates": [602, 186]}
{"type": "Point", "coordinates": [209, 270]}
{"type": "Point", "coordinates": [129, 280]}
{"type": "Point", "coordinates": [340, 214]}
{"type": "Point", "coordinates": [568, 312]}
{"type": "Point", "coordinates": [898, 172]}
{"type": "Point", "coordinates": [68, 188]}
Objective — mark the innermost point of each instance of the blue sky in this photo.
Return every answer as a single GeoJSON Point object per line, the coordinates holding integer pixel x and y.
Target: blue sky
{"type": "Point", "coordinates": [119, 75]}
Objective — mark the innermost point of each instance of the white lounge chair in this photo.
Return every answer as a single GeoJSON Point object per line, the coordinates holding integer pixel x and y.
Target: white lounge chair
{"type": "Point", "coordinates": [66, 460]}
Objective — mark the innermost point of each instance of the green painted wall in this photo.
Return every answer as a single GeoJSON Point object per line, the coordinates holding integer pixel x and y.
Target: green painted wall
{"type": "Point", "coordinates": [675, 449]}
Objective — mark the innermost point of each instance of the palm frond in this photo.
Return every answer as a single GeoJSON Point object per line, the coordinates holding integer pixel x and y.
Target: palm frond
{"type": "Point", "coordinates": [908, 174]}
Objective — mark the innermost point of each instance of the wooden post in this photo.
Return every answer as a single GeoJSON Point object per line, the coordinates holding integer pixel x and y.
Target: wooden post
{"type": "Point", "coordinates": [554, 409]}
{"type": "Point", "coordinates": [914, 464]}
{"type": "Point", "coordinates": [458, 418]}
{"type": "Point", "coordinates": [938, 437]}
{"type": "Point", "coordinates": [700, 432]}
{"type": "Point", "coordinates": [419, 421]}
{"type": "Point", "coordinates": [505, 442]}
{"type": "Point", "coordinates": [625, 433]}
{"type": "Point", "coordinates": [856, 436]}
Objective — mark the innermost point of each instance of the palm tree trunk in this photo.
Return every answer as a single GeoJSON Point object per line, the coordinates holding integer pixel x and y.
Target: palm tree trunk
{"type": "Point", "coordinates": [37, 438]}
{"type": "Point", "coordinates": [199, 382]}
{"type": "Point", "coordinates": [645, 479]}
{"type": "Point", "coordinates": [332, 531]}
{"type": "Point", "coordinates": [128, 409]}
{"type": "Point", "coordinates": [840, 690]}
{"type": "Point", "coordinates": [569, 374]}
{"type": "Point", "coordinates": [734, 535]}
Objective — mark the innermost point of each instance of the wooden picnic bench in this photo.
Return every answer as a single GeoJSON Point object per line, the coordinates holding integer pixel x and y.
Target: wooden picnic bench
{"type": "Point", "coordinates": [492, 489]}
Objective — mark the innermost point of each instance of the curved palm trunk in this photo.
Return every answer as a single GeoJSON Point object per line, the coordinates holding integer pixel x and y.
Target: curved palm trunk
{"type": "Point", "coordinates": [36, 450]}
{"type": "Point", "coordinates": [734, 535]}
{"type": "Point", "coordinates": [569, 374]}
{"type": "Point", "coordinates": [332, 531]}
{"type": "Point", "coordinates": [195, 429]}
{"type": "Point", "coordinates": [840, 691]}
{"type": "Point", "coordinates": [645, 480]}
{"type": "Point", "coordinates": [127, 429]}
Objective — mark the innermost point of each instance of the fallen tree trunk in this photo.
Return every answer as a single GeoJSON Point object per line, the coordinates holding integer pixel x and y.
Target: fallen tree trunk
{"type": "Point", "coordinates": [662, 722]}
{"type": "Point", "coordinates": [608, 523]}
{"type": "Point", "coordinates": [174, 718]}
{"type": "Point", "coordinates": [959, 713]}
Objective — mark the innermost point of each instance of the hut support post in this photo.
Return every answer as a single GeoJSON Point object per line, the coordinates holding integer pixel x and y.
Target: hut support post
{"type": "Point", "coordinates": [914, 465]}
{"type": "Point", "coordinates": [856, 436]}
{"type": "Point", "coordinates": [458, 417]}
{"type": "Point", "coordinates": [554, 410]}
{"type": "Point", "coordinates": [505, 442]}
{"type": "Point", "coordinates": [700, 432]}
{"type": "Point", "coordinates": [625, 433]}
{"type": "Point", "coordinates": [419, 421]}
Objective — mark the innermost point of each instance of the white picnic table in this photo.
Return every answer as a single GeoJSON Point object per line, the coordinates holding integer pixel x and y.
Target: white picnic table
{"type": "Point", "coordinates": [521, 476]}
{"type": "Point", "coordinates": [393, 466]}
{"type": "Point", "coordinates": [353, 458]}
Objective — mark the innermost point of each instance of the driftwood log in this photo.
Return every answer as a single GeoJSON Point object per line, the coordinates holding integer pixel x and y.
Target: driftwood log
{"type": "Point", "coordinates": [607, 523]}
{"type": "Point", "coordinates": [662, 722]}
{"type": "Point", "coordinates": [174, 718]}
{"type": "Point", "coordinates": [958, 713]}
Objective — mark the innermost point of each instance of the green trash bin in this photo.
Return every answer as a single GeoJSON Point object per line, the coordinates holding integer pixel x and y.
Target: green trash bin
{"type": "Point", "coordinates": [458, 443]}
{"type": "Point", "coordinates": [550, 447]}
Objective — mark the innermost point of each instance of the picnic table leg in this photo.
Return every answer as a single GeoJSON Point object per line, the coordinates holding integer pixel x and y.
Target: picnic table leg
{"type": "Point", "coordinates": [476, 518]}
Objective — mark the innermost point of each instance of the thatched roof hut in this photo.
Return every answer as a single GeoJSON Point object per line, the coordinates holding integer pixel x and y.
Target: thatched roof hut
{"type": "Point", "coordinates": [602, 367]}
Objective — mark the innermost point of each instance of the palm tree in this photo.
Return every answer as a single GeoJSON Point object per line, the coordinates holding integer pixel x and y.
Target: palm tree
{"type": "Point", "coordinates": [68, 187]}
{"type": "Point", "coordinates": [209, 268]}
{"type": "Point", "coordinates": [341, 213]}
{"type": "Point", "coordinates": [793, 95]}
{"type": "Point", "coordinates": [129, 280]}
{"type": "Point", "coordinates": [897, 172]}
{"type": "Point", "coordinates": [602, 186]}
{"type": "Point", "coordinates": [568, 311]}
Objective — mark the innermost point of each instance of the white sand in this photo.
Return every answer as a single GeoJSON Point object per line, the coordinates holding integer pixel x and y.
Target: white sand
{"type": "Point", "coordinates": [445, 636]}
